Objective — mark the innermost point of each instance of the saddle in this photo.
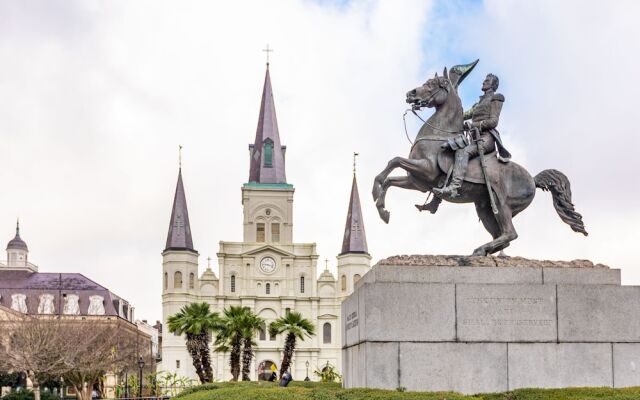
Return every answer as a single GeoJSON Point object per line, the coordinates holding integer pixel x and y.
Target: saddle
{"type": "Point", "coordinates": [495, 168]}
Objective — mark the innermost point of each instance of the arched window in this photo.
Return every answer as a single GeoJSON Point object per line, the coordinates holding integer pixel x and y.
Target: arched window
{"type": "Point", "coordinates": [343, 283]}
{"type": "Point", "coordinates": [260, 232]}
{"type": "Point", "coordinates": [356, 278]}
{"type": "Point", "coordinates": [166, 281]}
{"type": "Point", "coordinates": [326, 333]}
{"type": "Point", "coordinates": [262, 334]}
{"type": "Point", "coordinates": [275, 232]}
{"type": "Point", "coordinates": [233, 283]}
{"type": "Point", "coordinates": [177, 280]}
{"type": "Point", "coordinates": [268, 153]}
{"type": "Point", "coordinates": [192, 281]}
{"type": "Point", "coordinates": [267, 288]}
{"type": "Point", "coordinates": [302, 284]}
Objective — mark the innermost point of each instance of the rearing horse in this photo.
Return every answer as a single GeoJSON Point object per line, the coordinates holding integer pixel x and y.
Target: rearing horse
{"type": "Point", "coordinates": [513, 186]}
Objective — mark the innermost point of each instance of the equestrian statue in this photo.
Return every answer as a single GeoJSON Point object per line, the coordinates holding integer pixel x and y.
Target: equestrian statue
{"type": "Point", "coordinates": [466, 162]}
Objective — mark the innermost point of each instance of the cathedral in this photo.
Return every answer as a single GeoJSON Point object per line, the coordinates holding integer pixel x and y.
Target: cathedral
{"type": "Point", "coordinates": [267, 271]}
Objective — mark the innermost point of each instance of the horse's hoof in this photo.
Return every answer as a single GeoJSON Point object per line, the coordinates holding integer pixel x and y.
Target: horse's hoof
{"type": "Point", "coordinates": [420, 207]}
{"type": "Point", "coordinates": [479, 252]}
{"type": "Point", "coordinates": [385, 216]}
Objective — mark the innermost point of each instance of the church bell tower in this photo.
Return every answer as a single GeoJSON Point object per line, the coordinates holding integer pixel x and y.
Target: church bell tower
{"type": "Point", "coordinates": [354, 259]}
{"type": "Point", "coordinates": [179, 279]}
{"type": "Point", "coordinates": [267, 198]}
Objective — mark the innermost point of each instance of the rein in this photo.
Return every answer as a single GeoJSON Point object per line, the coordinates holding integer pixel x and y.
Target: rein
{"type": "Point", "coordinates": [406, 133]}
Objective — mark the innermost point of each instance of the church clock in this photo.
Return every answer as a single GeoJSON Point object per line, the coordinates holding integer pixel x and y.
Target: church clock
{"type": "Point", "coordinates": [267, 265]}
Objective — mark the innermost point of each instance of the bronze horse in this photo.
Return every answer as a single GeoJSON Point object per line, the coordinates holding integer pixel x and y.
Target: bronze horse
{"type": "Point", "coordinates": [426, 167]}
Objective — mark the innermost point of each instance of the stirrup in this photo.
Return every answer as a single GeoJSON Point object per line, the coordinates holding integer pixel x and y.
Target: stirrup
{"type": "Point", "coordinates": [447, 190]}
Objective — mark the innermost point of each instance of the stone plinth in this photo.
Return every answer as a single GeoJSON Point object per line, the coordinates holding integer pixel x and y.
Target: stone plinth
{"type": "Point", "coordinates": [485, 324]}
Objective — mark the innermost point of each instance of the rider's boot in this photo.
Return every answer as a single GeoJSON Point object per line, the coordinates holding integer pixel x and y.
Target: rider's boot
{"type": "Point", "coordinates": [459, 169]}
{"type": "Point", "coordinates": [432, 206]}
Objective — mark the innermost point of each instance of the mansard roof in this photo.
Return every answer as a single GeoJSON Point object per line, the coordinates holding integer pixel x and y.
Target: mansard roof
{"type": "Point", "coordinates": [179, 236]}
{"type": "Point", "coordinates": [354, 239]}
{"type": "Point", "coordinates": [59, 285]}
{"type": "Point", "coordinates": [267, 155]}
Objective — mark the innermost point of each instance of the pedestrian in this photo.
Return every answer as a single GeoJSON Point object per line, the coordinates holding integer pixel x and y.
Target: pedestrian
{"type": "Point", "coordinates": [286, 378]}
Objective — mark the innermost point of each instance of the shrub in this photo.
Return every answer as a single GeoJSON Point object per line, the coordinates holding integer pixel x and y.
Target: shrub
{"type": "Point", "coordinates": [28, 395]}
{"type": "Point", "coordinates": [198, 388]}
{"type": "Point", "coordinates": [328, 374]}
{"type": "Point", "coordinates": [10, 378]}
{"type": "Point", "coordinates": [298, 390]}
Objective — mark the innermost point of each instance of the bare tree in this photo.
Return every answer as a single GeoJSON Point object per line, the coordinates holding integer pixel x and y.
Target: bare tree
{"type": "Point", "coordinates": [101, 347]}
{"type": "Point", "coordinates": [80, 350]}
{"type": "Point", "coordinates": [35, 346]}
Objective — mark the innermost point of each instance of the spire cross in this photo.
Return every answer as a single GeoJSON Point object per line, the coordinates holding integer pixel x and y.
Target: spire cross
{"type": "Point", "coordinates": [208, 262]}
{"type": "Point", "coordinates": [180, 156]}
{"type": "Point", "coordinates": [17, 226]}
{"type": "Point", "coordinates": [326, 263]}
{"type": "Point", "coordinates": [354, 161]}
{"type": "Point", "coordinates": [355, 228]}
{"type": "Point", "coordinates": [268, 50]}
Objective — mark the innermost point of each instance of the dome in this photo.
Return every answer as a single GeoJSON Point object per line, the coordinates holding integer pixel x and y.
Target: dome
{"type": "Point", "coordinates": [326, 276]}
{"type": "Point", "coordinates": [17, 243]}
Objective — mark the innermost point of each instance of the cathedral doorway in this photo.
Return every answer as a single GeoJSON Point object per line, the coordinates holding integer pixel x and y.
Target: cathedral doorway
{"type": "Point", "coordinates": [266, 369]}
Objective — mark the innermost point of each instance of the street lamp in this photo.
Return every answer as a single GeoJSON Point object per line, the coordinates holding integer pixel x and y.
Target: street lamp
{"type": "Point", "coordinates": [140, 366]}
{"type": "Point", "coordinates": [307, 364]}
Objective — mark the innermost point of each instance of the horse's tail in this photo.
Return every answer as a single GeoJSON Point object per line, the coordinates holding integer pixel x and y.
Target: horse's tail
{"type": "Point", "coordinates": [558, 184]}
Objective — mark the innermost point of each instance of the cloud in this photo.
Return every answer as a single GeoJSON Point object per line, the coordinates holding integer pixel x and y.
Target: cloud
{"type": "Point", "coordinates": [95, 98]}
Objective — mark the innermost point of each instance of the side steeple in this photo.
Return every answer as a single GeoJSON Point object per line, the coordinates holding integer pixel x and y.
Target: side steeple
{"type": "Point", "coordinates": [354, 259]}
{"type": "Point", "coordinates": [267, 155]}
{"type": "Point", "coordinates": [179, 236]}
{"type": "Point", "coordinates": [354, 240]}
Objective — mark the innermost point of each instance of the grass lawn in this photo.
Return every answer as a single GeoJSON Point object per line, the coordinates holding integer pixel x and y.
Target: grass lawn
{"type": "Point", "coordinates": [333, 391]}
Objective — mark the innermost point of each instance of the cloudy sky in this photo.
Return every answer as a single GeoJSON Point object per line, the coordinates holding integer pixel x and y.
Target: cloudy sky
{"type": "Point", "coordinates": [95, 98]}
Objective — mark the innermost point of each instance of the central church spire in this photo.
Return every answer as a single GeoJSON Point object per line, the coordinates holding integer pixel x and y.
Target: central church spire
{"type": "Point", "coordinates": [266, 153]}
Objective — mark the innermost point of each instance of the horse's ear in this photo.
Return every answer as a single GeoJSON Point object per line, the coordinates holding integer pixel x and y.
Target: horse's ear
{"type": "Point", "coordinates": [444, 73]}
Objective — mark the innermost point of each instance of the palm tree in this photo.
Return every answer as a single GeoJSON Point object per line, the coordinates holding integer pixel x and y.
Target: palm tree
{"type": "Point", "coordinates": [251, 324]}
{"type": "Point", "coordinates": [230, 334]}
{"type": "Point", "coordinates": [296, 327]}
{"type": "Point", "coordinates": [196, 322]}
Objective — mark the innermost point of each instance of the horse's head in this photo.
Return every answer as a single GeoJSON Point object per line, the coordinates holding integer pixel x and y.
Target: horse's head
{"type": "Point", "coordinates": [432, 93]}
{"type": "Point", "coordinates": [436, 90]}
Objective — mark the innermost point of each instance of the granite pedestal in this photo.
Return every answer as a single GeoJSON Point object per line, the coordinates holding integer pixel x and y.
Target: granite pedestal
{"type": "Point", "coordinates": [490, 327]}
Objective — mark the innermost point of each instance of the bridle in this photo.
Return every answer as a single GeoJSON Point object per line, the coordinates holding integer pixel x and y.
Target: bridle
{"type": "Point", "coordinates": [413, 110]}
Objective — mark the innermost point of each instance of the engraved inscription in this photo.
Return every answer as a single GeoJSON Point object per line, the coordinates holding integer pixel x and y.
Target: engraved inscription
{"type": "Point", "coordinates": [506, 305]}
{"type": "Point", "coordinates": [507, 322]}
{"type": "Point", "coordinates": [506, 313]}
{"type": "Point", "coordinates": [352, 320]}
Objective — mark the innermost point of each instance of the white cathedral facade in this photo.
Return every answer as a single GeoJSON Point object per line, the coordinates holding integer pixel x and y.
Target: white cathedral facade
{"type": "Point", "coordinates": [267, 271]}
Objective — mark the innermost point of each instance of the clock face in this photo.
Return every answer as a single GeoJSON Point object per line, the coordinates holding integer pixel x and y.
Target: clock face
{"type": "Point", "coordinates": [268, 265]}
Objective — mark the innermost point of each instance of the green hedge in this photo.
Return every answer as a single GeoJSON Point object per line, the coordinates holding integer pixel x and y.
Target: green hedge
{"type": "Point", "coordinates": [28, 395]}
{"type": "Point", "coordinates": [332, 391]}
